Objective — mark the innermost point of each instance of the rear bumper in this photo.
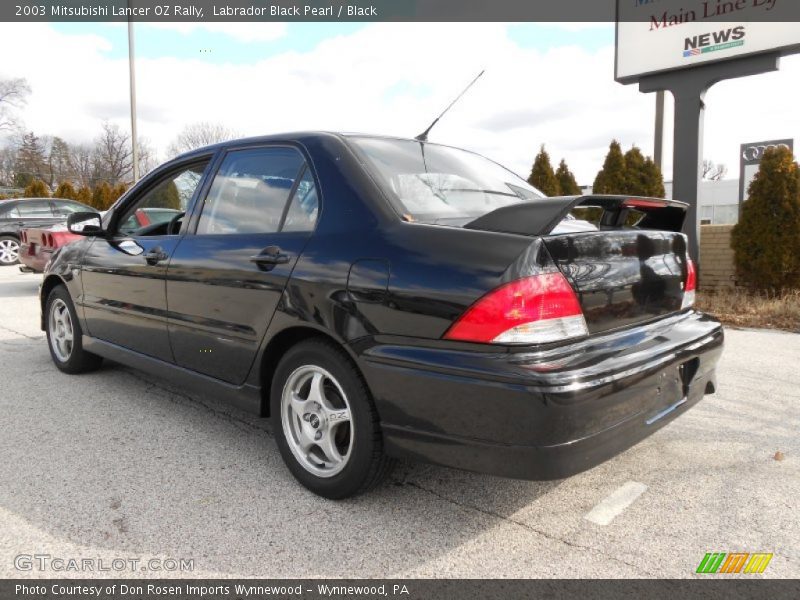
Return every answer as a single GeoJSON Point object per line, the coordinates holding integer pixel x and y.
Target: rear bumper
{"type": "Point", "coordinates": [542, 415]}
{"type": "Point", "coordinates": [37, 261]}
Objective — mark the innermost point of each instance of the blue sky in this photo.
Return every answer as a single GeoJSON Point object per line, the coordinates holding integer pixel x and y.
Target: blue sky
{"type": "Point", "coordinates": [214, 47]}
{"type": "Point", "coordinates": [220, 48]}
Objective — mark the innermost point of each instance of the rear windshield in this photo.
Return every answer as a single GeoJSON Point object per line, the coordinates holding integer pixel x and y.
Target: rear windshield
{"type": "Point", "coordinates": [438, 184]}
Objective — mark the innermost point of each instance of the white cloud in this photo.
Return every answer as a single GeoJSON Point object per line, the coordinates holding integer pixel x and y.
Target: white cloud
{"type": "Point", "coordinates": [391, 78]}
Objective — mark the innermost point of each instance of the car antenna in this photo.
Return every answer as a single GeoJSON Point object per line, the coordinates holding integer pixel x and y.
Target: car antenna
{"type": "Point", "coordinates": [423, 137]}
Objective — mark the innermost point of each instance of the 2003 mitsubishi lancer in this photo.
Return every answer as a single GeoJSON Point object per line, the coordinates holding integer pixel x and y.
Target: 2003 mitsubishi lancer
{"type": "Point", "coordinates": [381, 298]}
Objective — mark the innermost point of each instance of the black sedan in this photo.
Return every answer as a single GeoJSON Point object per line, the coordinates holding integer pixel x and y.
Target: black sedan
{"type": "Point", "coordinates": [381, 298]}
{"type": "Point", "coordinates": [19, 214]}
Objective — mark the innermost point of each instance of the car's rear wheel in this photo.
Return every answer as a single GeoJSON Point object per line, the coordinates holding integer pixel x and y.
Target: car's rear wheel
{"type": "Point", "coordinates": [9, 250]}
{"type": "Point", "coordinates": [325, 423]}
{"type": "Point", "coordinates": [64, 335]}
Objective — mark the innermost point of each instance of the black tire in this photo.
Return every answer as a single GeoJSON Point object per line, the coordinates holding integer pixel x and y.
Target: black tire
{"type": "Point", "coordinates": [9, 240]}
{"type": "Point", "coordinates": [78, 361]}
{"type": "Point", "coordinates": [367, 464]}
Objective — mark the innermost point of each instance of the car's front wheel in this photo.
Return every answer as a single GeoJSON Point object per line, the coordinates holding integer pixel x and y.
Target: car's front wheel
{"type": "Point", "coordinates": [64, 335]}
{"type": "Point", "coordinates": [9, 250]}
{"type": "Point", "coordinates": [325, 423]}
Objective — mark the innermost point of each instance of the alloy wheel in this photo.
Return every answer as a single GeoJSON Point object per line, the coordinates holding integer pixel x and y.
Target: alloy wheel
{"type": "Point", "coordinates": [62, 335]}
{"type": "Point", "coordinates": [317, 421]}
{"type": "Point", "coordinates": [9, 251]}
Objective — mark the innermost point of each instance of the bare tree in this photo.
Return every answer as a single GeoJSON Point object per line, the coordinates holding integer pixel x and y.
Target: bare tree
{"type": "Point", "coordinates": [714, 172]}
{"type": "Point", "coordinates": [81, 164]}
{"type": "Point", "coordinates": [148, 159]}
{"type": "Point", "coordinates": [8, 158]}
{"type": "Point", "coordinates": [13, 94]}
{"type": "Point", "coordinates": [197, 135]}
{"type": "Point", "coordinates": [112, 155]}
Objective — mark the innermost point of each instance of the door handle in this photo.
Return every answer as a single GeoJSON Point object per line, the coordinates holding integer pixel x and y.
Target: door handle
{"type": "Point", "coordinates": [271, 255]}
{"type": "Point", "coordinates": [155, 256]}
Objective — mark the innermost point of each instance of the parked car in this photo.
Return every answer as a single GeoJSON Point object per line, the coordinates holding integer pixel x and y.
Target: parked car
{"type": "Point", "coordinates": [38, 243]}
{"type": "Point", "coordinates": [398, 299]}
{"type": "Point", "coordinates": [18, 214]}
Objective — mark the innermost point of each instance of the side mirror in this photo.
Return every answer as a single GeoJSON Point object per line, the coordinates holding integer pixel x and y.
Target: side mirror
{"type": "Point", "coordinates": [85, 223]}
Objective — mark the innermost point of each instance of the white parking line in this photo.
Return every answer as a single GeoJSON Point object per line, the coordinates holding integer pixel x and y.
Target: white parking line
{"type": "Point", "coordinates": [613, 504]}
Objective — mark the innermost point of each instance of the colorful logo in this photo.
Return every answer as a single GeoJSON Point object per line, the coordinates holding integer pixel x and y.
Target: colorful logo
{"type": "Point", "coordinates": [717, 48]}
{"type": "Point", "coordinates": [737, 562]}
{"type": "Point", "coordinates": [714, 41]}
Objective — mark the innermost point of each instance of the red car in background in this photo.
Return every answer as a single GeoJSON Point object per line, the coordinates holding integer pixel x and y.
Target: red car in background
{"type": "Point", "coordinates": [37, 244]}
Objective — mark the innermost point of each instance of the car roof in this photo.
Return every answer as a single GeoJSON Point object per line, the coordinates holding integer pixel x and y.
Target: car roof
{"type": "Point", "coordinates": [293, 136]}
{"type": "Point", "coordinates": [5, 200]}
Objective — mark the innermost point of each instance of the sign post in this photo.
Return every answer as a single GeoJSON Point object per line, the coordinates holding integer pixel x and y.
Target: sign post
{"type": "Point", "coordinates": [689, 89]}
{"type": "Point", "coordinates": [685, 47]}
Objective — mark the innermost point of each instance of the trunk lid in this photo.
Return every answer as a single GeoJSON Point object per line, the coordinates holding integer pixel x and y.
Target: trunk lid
{"type": "Point", "coordinates": [622, 277]}
{"type": "Point", "coordinates": [631, 268]}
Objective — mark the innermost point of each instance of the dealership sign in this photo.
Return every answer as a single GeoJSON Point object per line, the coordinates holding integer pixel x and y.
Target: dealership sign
{"type": "Point", "coordinates": [654, 36]}
{"type": "Point", "coordinates": [750, 156]}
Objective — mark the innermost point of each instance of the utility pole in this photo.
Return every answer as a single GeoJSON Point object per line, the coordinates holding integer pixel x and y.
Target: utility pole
{"type": "Point", "coordinates": [132, 72]}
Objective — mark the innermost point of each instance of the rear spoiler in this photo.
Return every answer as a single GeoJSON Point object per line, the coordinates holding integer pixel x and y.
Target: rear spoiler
{"type": "Point", "coordinates": [540, 217]}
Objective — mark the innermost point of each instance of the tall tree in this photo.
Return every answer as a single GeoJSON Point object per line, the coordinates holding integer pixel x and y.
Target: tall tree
{"type": "Point", "coordinates": [197, 135]}
{"type": "Point", "coordinates": [13, 94]}
{"type": "Point", "coordinates": [59, 162]}
{"type": "Point", "coordinates": [566, 180]}
{"type": "Point", "coordinates": [635, 178]}
{"type": "Point", "coordinates": [66, 191]}
{"type": "Point", "coordinates": [37, 189]}
{"type": "Point", "coordinates": [102, 196]}
{"type": "Point", "coordinates": [611, 178]}
{"type": "Point", "coordinates": [654, 179]}
{"type": "Point", "coordinates": [84, 195]}
{"type": "Point", "coordinates": [166, 196]}
{"type": "Point", "coordinates": [766, 241]}
{"type": "Point", "coordinates": [31, 162]}
{"type": "Point", "coordinates": [542, 176]}
{"type": "Point", "coordinates": [118, 190]}
{"type": "Point", "coordinates": [642, 176]}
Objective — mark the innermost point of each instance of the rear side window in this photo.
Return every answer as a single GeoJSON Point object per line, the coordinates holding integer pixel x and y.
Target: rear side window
{"type": "Point", "coordinates": [34, 209]}
{"type": "Point", "coordinates": [250, 191]}
{"type": "Point", "coordinates": [63, 209]}
{"type": "Point", "coordinates": [9, 212]}
{"type": "Point", "coordinates": [302, 213]}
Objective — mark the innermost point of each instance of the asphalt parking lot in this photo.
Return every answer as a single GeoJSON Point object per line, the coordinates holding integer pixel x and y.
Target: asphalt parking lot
{"type": "Point", "coordinates": [117, 464]}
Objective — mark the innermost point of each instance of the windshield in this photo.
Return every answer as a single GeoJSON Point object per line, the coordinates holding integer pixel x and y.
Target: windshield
{"type": "Point", "coordinates": [438, 184]}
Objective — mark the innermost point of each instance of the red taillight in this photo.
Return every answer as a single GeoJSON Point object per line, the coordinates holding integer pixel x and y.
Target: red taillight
{"type": "Point", "coordinates": [642, 203]}
{"type": "Point", "coordinates": [691, 285]}
{"type": "Point", "coordinates": [534, 310]}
